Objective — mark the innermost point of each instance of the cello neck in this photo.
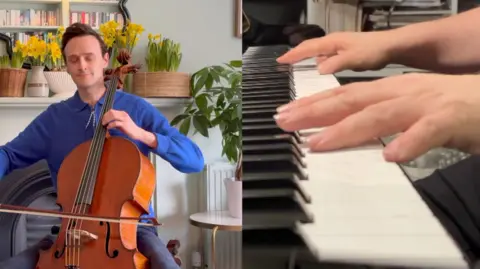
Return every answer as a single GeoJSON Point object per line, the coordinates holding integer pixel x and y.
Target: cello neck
{"type": "Point", "coordinates": [89, 178]}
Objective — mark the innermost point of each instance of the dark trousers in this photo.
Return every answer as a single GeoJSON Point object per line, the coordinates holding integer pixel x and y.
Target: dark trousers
{"type": "Point", "coordinates": [453, 195]}
{"type": "Point", "coordinates": [149, 244]}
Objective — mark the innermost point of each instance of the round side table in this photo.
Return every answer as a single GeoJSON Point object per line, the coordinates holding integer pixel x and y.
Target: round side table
{"type": "Point", "coordinates": [216, 220]}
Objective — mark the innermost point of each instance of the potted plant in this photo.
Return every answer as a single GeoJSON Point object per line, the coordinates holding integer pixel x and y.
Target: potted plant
{"type": "Point", "coordinates": [234, 190]}
{"type": "Point", "coordinates": [12, 76]}
{"type": "Point", "coordinates": [59, 81]}
{"type": "Point", "coordinates": [37, 85]}
{"type": "Point", "coordinates": [119, 38]}
{"type": "Point", "coordinates": [216, 102]}
{"type": "Point", "coordinates": [162, 78]}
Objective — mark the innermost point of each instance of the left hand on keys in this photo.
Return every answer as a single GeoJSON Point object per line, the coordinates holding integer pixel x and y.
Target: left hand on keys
{"type": "Point", "coordinates": [122, 121]}
{"type": "Point", "coordinates": [431, 110]}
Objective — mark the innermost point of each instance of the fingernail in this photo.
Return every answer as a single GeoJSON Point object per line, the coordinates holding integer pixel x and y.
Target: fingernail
{"type": "Point", "coordinates": [278, 117]}
{"type": "Point", "coordinates": [282, 108]}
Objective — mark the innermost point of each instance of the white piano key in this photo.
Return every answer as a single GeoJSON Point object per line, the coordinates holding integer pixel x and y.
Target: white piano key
{"type": "Point", "coordinates": [365, 209]}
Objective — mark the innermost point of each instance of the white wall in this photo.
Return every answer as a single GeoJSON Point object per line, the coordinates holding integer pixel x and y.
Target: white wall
{"type": "Point", "coordinates": [205, 30]}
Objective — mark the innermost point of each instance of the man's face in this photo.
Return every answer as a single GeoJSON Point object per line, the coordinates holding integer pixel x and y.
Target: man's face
{"type": "Point", "coordinates": [85, 62]}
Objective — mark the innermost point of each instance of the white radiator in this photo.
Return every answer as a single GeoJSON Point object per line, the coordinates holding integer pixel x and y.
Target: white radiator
{"type": "Point", "coordinates": [213, 196]}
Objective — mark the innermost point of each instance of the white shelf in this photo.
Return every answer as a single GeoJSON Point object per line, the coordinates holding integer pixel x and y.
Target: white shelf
{"type": "Point", "coordinates": [93, 3]}
{"type": "Point", "coordinates": [32, 1]}
{"type": "Point", "coordinates": [27, 28]}
{"type": "Point", "coordinates": [44, 102]}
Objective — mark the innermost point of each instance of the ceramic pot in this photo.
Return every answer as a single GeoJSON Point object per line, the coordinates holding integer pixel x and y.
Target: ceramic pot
{"type": "Point", "coordinates": [60, 83]}
{"type": "Point", "coordinates": [234, 197]}
{"type": "Point", "coordinates": [37, 85]}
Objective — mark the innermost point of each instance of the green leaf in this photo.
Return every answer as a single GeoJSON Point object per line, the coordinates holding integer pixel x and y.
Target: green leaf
{"type": "Point", "coordinates": [202, 80]}
{"type": "Point", "coordinates": [201, 124]}
{"type": "Point", "coordinates": [185, 126]}
{"type": "Point", "coordinates": [202, 101]}
{"type": "Point", "coordinates": [236, 63]}
{"type": "Point", "coordinates": [178, 119]}
{"type": "Point", "coordinates": [209, 82]}
{"type": "Point", "coordinates": [221, 101]}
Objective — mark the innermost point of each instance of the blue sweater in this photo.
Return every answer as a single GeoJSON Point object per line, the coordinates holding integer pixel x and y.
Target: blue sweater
{"type": "Point", "coordinates": [65, 125]}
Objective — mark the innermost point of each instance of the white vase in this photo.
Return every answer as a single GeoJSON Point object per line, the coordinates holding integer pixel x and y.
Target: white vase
{"type": "Point", "coordinates": [60, 83]}
{"type": "Point", "coordinates": [234, 197]}
{"type": "Point", "coordinates": [37, 85]}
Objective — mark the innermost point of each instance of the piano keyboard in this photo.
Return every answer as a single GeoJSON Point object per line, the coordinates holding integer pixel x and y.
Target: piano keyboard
{"type": "Point", "coordinates": [349, 206]}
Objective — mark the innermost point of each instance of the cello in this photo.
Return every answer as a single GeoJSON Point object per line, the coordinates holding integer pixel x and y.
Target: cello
{"type": "Point", "coordinates": [104, 186]}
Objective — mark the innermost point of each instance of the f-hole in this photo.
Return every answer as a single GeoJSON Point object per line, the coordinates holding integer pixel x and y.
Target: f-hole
{"type": "Point", "coordinates": [114, 254]}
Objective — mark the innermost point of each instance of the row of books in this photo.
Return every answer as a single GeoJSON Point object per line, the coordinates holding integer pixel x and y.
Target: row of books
{"type": "Point", "coordinates": [25, 36]}
{"type": "Point", "coordinates": [29, 17]}
{"type": "Point", "coordinates": [95, 19]}
{"type": "Point", "coordinates": [32, 17]}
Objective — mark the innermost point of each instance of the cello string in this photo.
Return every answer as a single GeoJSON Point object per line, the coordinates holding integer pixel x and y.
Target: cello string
{"type": "Point", "coordinates": [86, 188]}
{"type": "Point", "coordinates": [73, 247]}
{"type": "Point", "coordinates": [96, 156]}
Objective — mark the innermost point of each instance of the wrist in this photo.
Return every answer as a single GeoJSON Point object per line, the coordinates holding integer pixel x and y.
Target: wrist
{"type": "Point", "coordinates": [148, 138]}
{"type": "Point", "coordinates": [396, 45]}
{"type": "Point", "coordinates": [411, 45]}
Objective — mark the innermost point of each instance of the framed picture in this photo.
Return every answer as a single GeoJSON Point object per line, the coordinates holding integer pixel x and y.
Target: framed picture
{"type": "Point", "coordinates": [238, 18]}
{"type": "Point", "coordinates": [6, 45]}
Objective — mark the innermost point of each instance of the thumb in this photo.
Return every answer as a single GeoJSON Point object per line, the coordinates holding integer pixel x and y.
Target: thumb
{"type": "Point", "coordinates": [336, 63]}
{"type": "Point", "coordinates": [429, 132]}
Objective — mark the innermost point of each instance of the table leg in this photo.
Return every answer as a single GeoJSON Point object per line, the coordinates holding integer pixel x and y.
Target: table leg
{"type": "Point", "coordinates": [214, 231]}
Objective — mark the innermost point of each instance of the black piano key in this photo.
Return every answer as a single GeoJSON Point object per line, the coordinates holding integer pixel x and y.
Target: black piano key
{"type": "Point", "coordinates": [268, 237]}
{"type": "Point", "coordinates": [277, 148]}
{"type": "Point", "coordinates": [261, 75]}
{"type": "Point", "coordinates": [265, 96]}
{"type": "Point", "coordinates": [259, 113]}
{"type": "Point", "coordinates": [274, 201]}
{"type": "Point", "coordinates": [255, 184]}
{"type": "Point", "coordinates": [267, 83]}
{"type": "Point", "coordinates": [273, 105]}
{"type": "Point", "coordinates": [267, 90]}
{"type": "Point", "coordinates": [277, 209]}
{"type": "Point", "coordinates": [271, 162]}
{"type": "Point", "coordinates": [265, 138]}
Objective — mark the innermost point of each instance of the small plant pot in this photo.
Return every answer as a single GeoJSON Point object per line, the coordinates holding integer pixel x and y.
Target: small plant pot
{"type": "Point", "coordinates": [161, 84]}
{"type": "Point", "coordinates": [60, 83]}
{"type": "Point", "coordinates": [12, 82]}
{"type": "Point", "coordinates": [234, 197]}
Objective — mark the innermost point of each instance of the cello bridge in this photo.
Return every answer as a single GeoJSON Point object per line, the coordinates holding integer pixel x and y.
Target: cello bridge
{"type": "Point", "coordinates": [82, 235]}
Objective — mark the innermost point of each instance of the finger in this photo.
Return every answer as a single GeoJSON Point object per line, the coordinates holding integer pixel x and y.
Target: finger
{"type": "Point", "coordinates": [337, 63]}
{"type": "Point", "coordinates": [383, 119]}
{"type": "Point", "coordinates": [308, 100]}
{"type": "Point", "coordinates": [322, 46]}
{"type": "Point", "coordinates": [114, 124]}
{"type": "Point", "coordinates": [320, 59]}
{"type": "Point", "coordinates": [111, 115]}
{"type": "Point", "coordinates": [390, 86]}
{"type": "Point", "coordinates": [107, 117]}
{"type": "Point", "coordinates": [427, 133]}
{"type": "Point", "coordinates": [332, 109]}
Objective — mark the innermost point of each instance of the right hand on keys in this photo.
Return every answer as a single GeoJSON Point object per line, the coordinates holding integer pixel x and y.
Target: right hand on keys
{"type": "Point", "coordinates": [344, 50]}
{"type": "Point", "coordinates": [431, 110]}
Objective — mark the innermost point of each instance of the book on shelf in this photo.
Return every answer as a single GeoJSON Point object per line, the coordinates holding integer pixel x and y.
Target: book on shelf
{"type": "Point", "coordinates": [29, 17]}
{"type": "Point", "coordinates": [95, 19]}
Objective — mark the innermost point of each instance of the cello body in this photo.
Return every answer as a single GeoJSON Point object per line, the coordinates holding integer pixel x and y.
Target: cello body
{"type": "Point", "coordinates": [123, 187]}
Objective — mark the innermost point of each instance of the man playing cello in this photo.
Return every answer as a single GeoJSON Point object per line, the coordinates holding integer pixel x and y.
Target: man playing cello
{"type": "Point", "coordinates": [65, 125]}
